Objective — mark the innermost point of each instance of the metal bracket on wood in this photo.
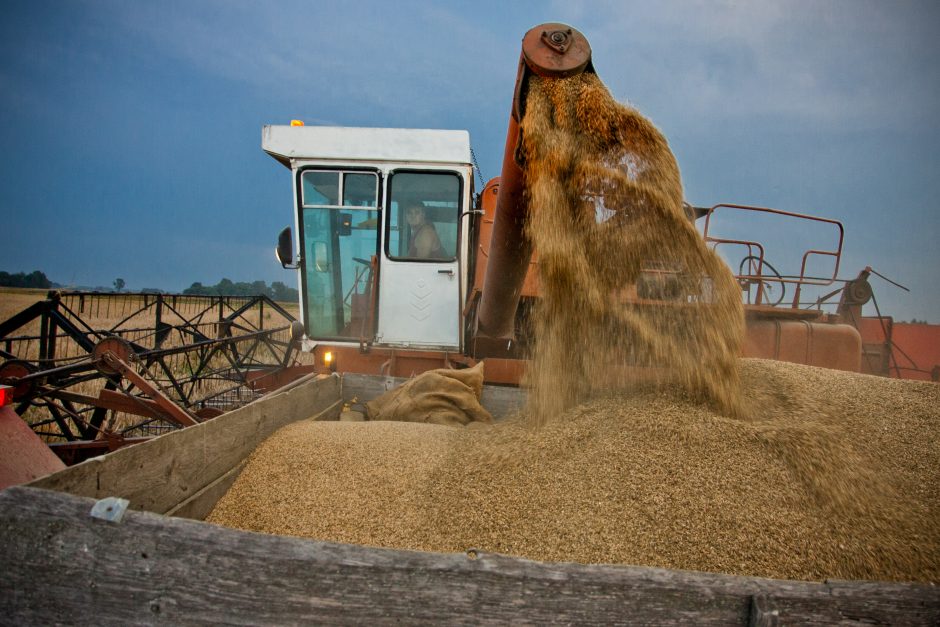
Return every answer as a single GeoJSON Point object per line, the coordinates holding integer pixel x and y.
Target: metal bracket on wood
{"type": "Point", "coordinates": [111, 509]}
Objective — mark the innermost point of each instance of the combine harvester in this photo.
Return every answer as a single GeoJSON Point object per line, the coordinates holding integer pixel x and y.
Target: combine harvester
{"type": "Point", "coordinates": [118, 538]}
{"type": "Point", "coordinates": [372, 304]}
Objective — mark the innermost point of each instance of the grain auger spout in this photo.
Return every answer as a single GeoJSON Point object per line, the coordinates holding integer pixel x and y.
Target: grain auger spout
{"type": "Point", "coordinates": [551, 51]}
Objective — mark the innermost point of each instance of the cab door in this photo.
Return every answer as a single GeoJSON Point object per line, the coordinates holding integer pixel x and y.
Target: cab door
{"type": "Point", "coordinates": [419, 281]}
{"type": "Point", "coordinates": [339, 234]}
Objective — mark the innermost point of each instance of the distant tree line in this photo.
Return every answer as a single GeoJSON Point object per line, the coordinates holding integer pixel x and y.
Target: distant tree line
{"type": "Point", "coordinates": [21, 279]}
{"type": "Point", "coordinates": [276, 291]}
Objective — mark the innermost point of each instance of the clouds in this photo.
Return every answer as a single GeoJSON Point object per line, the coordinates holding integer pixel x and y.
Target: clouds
{"type": "Point", "coordinates": [851, 64]}
{"type": "Point", "coordinates": [841, 64]}
{"type": "Point", "coordinates": [410, 56]}
{"type": "Point", "coordinates": [149, 114]}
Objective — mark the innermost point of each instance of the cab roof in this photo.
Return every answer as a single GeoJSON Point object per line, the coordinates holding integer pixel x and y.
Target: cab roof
{"type": "Point", "coordinates": [285, 143]}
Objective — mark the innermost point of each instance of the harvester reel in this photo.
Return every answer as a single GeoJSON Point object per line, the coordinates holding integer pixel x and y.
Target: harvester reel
{"type": "Point", "coordinates": [118, 347]}
{"type": "Point", "coordinates": [12, 371]}
{"type": "Point", "coordinates": [767, 285]}
{"type": "Point", "coordinates": [143, 373]}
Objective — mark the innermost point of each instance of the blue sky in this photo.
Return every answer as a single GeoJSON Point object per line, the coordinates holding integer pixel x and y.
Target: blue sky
{"type": "Point", "coordinates": [131, 130]}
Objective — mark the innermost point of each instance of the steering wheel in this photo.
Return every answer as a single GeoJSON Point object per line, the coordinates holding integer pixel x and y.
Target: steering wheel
{"type": "Point", "coordinates": [767, 286]}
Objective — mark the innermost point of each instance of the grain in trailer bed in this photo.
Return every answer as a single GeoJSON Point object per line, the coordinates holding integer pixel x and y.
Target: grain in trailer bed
{"type": "Point", "coordinates": [829, 475]}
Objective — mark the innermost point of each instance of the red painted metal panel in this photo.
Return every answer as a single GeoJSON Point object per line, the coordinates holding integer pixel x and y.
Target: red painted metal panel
{"type": "Point", "coordinates": [530, 285]}
{"type": "Point", "coordinates": [876, 344]}
{"type": "Point", "coordinates": [916, 351]}
{"type": "Point", "coordinates": [23, 456]}
{"type": "Point", "coordinates": [836, 346]}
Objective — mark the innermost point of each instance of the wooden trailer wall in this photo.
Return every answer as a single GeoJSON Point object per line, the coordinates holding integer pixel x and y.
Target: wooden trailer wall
{"type": "Point", "coordinates": [185, 472]}
{"type": "Point", "coordinates": [60, 564]}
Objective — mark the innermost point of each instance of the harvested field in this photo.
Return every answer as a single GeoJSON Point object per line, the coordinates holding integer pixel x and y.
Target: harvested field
{"type": "Point", "coordinates": [14, 300]}
{"type": "Point", "coordinates": [828, 475]}
{"type": "Point", "coordinates": [112, 309]}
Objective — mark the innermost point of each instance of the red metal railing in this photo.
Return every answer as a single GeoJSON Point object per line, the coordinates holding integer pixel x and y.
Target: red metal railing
{"type": "Point", "coordinates": [757, 263]}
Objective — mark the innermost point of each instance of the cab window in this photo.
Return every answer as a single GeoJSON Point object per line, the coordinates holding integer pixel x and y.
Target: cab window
{"type": "Point", "coordinates": [423, 213]}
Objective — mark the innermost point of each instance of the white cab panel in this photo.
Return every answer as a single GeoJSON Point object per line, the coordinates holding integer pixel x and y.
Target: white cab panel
{"type": "Point", "coordinates": [419, 304]}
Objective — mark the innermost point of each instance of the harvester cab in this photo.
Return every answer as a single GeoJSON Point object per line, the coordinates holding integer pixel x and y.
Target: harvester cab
{"type": "Point", "coordinates": [382, 234]}
{"type": "Point", "coordinates": [393, 254]}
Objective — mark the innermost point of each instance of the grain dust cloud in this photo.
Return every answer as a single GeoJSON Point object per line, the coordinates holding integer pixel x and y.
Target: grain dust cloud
{"type": "Point", "coordinates": [606, 215]}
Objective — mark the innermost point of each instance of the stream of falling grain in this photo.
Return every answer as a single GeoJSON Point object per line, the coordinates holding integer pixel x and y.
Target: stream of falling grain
{"type": "Point", "coordinates": [605, 204]}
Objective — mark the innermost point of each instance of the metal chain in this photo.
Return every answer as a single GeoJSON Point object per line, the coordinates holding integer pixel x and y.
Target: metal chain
{"type": "Point", "coordinates": [477, 167]}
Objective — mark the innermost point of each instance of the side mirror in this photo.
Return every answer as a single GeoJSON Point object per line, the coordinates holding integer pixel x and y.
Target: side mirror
{"type": "Point", "coordinates": [297, 332]}
{"type": "Point", "coordinates": [285, 249]}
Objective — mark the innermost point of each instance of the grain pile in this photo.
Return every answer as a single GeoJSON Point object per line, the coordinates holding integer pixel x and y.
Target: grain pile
{"type": "Point", "coordinates": [605, 203]}
{"type": "Point", "coordinates": [836, 475]}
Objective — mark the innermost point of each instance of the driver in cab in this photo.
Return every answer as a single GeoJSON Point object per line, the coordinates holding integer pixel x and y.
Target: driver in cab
{"type": "Point", "coordinates": [424, 242]}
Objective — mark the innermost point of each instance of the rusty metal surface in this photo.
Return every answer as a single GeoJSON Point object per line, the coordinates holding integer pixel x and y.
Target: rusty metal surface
{"type": "Point", "coordinates": [917, 351]}
{"type": "Point", "coordinates": [877, 333]}
{"type": "Point", "coordinates": [555, 50]}
{"type": "Point", "coordinates": [265, 382]}
{"type": "Point", "coordinates": [16, 371]}
{"type": "Point", "coordinates": [407, 363]}
{"type": "Point", "coordinates": [383, 361]}
{"type": "Point", "coordinates": [551, 50]}
{"type": "Point", "coordinates": [23, 456]}
{"type": "Point", "coordinates": [530, 284]}
{"type": "Point", "coordinates": [117, 347]}
{"type": "Point", "coordinates": [836, 346]}
{"type": "Point", "coordinates": [901, 350]}
{"type": "Point", "coordinates": [766, 312]}
{"type": "Point", "coordinates": [509, 248]}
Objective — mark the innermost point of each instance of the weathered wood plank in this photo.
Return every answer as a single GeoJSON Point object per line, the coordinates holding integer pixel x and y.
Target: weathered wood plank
{"type": "Point", "coordinates": [762, 615]}
{"type": "Point", "coordinates": [158, 475]}
{"type": "Point", "coordinates": [200, 504]}
{"type": "Point", "coordinates": [61, 565]}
